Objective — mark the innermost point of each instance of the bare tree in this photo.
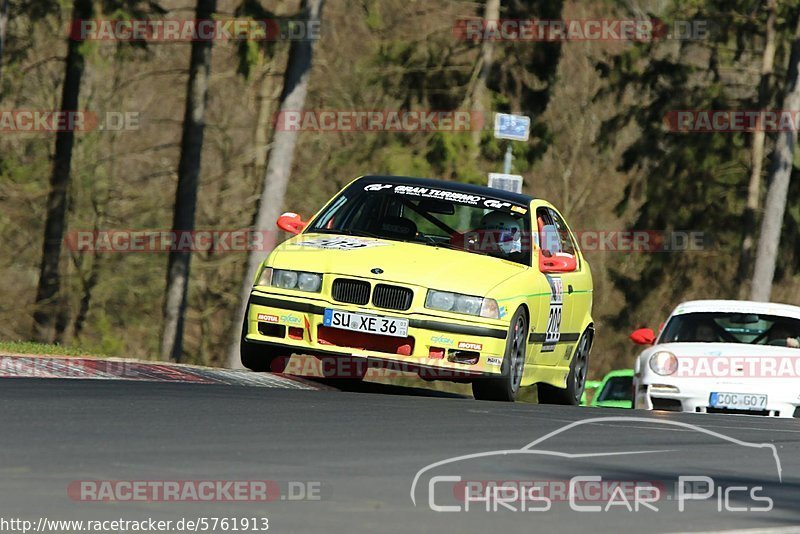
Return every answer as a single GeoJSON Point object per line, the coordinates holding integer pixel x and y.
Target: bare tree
{"type": "Point", "coordinates": [293, 98]}
{"type": "Point", "coordinates": [46, 314]}
{"type": "Point", "coordinates": [757, 153]}
{"type": "Point", "coordinates": [477, 97]}
{"type": "Point", "coordinates": [3, 29]}
{"type": "Point", "coordinates": [186, 193]}
{"type": "Point", "coordinates": [780, 174]}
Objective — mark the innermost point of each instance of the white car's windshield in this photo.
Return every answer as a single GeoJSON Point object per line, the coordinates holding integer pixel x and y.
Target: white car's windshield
{"type": "Point", "coordinates": [471, 223]}
{"type": "Point", "coordinates": [727, 327]}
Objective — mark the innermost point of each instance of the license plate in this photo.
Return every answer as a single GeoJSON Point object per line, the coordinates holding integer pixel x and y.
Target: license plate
{"type": "Point", "coordinates": [372, 324]}
{"type": "Point", "coordinates": [738, 401]}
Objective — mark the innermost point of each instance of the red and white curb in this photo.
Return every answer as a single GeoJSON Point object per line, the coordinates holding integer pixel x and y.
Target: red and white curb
{"type": "Point", "coordinates": [28, 366]}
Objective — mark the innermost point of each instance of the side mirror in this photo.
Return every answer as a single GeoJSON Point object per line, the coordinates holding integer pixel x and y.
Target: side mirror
{"type": "Point", "coordinates": [291, 222]}
{"type": "Point", "coordinates": [557, 263]}
{"type": "Point", "coordinates": [643, 336]}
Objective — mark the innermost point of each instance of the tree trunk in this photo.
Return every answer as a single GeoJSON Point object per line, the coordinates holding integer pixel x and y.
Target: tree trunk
{"type": "Point", "coordinates": [46, 312]}
{"type": "Point", "coordinates": [3, 29]}
{"type": "Point", "coordinates": [780, 174]}
{"type": "Point", "coordinates": [293, 97]}
{"type": "Point", "coordinates": [757, 155]}
{"type": "Point", "coordinates": [491, 14]}
{"type": "Point", "coordinates": [186, 192]}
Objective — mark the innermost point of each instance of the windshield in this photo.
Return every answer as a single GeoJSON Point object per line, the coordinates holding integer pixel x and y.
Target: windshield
{"type": "Point", "coordinates": [434, 217]}
{"type": "Point", "coordinates": [617, 388]}
{"type": "Point", "coordinates": [727, 327]}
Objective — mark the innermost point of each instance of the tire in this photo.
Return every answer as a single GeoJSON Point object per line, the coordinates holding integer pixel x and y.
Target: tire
{"type": "Point", "coordinates": [262, 358]}
{"type": "Point", "coordinates": [506, 386]}
{"type": "Point", "coordinates": [576, 379]}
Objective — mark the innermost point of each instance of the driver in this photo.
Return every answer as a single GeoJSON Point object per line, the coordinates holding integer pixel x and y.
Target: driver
{"type": "Point", "coordinates": [782, 333]}
{"type": "Point", "coordinates": [704, 333]}
{"type": "Point", "coordinates": [506, 230]}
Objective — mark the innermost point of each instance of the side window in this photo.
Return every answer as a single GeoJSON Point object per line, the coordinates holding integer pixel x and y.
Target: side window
{"type": "Point", "coordinates": [551, 239]}
{"type": "Point", "coordinates": [557, 248]}
{"type": "Point", "coordinates": [565, 243]}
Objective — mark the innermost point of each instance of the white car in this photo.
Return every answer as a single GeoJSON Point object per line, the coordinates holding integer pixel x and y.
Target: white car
{"type": "Point", "coordinates": [722, 356]}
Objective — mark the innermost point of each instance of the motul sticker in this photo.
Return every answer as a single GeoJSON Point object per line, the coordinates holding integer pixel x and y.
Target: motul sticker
{"type": "Point", "coordinates": [469, 345]}
{"type": "Point", "coordinates": [267, 318]}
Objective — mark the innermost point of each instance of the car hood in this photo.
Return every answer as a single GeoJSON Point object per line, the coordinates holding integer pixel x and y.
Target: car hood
{"type": "Point", "coordinates": [401, 262]}
{"type": "Point", "coordinates": [722, 349]}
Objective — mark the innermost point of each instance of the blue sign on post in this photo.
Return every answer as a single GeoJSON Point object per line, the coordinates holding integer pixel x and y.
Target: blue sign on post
{"type": "Point", "coordinates": [514, 127]}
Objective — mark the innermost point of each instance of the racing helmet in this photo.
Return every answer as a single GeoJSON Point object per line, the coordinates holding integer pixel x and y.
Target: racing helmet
{"type": "Point", "coordinates": [506, 229]}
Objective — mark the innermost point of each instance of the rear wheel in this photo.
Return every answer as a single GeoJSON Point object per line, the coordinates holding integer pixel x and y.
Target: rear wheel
{"type": "Point", "coordinates": [576, 380]}
{"type": "Point", "coordinates": [506, 386]}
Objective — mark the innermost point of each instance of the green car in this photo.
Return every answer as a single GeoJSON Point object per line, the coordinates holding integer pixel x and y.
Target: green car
{"type": "Point", "coordinates": [614, 391]}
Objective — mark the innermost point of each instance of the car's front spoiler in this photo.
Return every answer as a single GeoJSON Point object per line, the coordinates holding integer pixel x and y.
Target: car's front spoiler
{"type": "Point", "coordinates": [426, 333]}
{"type": "Point", "coordinates": [424, 324]}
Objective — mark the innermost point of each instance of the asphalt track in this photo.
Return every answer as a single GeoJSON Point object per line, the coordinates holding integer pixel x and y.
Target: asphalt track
{"type": "Point", "coordinates": [363, 450]}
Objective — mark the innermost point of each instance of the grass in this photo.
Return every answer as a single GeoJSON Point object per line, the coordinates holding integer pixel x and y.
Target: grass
{"type": "Point", "coordinates": [29, 347]}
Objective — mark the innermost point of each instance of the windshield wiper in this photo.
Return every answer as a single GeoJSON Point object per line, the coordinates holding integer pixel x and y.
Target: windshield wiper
{"type": "Point", "coordinates": [434, 243]}
{"type": "Point", "coordinates": [348, 231]}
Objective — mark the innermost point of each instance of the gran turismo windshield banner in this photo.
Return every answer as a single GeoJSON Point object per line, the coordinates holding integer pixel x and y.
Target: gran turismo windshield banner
{"type": "Point", "coordinates": [457, 197]}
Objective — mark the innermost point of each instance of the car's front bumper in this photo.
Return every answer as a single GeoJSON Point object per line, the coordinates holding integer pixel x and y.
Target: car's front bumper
{"type": "Point", "coordinates": [693, 395]}
{"type": "Point", "coordinates": [433, 343]}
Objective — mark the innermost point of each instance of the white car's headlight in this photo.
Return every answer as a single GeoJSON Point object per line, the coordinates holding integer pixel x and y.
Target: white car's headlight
{"type": "Point", "coordinates": [458, 303]}
{"type": "Point", "coordinates": [663, 363]}
{"type": "Point", "coordinates": [285, 279]}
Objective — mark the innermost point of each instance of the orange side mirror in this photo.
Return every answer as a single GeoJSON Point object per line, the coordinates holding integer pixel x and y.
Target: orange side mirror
{"type": "Point", "coordinates": [291, 222]}
{"type": "Point", "coordinates": [557, 263]}
{"type": "Point", "coordinates": [643, 336]}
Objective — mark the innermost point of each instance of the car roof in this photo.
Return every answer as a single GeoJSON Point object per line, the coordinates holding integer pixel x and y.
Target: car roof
{"type": "Point", "coordinates": [737, 306]}
{"type": "Point", "coordinates": [472, 189]}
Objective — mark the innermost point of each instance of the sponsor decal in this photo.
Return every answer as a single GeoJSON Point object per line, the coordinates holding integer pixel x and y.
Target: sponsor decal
{"type": "Point", "coordinates": [491, 360]}
{"type": "Point", "coordinates": [503, 311]}
{"type": "Point", "coordinates": [496, 204]}
{"type": "Point", "coordinates": [519, 209]}
{"type": "Point", "coordinates": [291, 319]}
{"type": "Point", "coordinates": [377, 187]}
{"type": "Point", "coordinates": [470, 345]}
{"type": "Point", "coordinates": [553, 332]}
{"type": "Point", "coordinates": [266, 318]}
{"type": "Point", "coordinates": [340, 243]}
{"type": "Point", "coordinates": [443, 340]}
{"type": "Point", "coordinates": [451, 196]}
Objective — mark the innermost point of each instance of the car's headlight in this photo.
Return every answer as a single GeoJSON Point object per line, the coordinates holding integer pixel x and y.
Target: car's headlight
{"type": "Point", "coordinates": [663, 363]}
{"type": "Point", "coordinates": [285, 279]}
{"type": "Point", "coordinates": [458, 303]}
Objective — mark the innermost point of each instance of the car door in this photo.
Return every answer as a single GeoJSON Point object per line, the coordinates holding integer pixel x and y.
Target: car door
{"type": "Point", "coordinates": [560, 331]}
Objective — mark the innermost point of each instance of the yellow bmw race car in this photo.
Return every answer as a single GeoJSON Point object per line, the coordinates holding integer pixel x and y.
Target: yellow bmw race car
{"type": "Point", "coordinates": [451, 281]}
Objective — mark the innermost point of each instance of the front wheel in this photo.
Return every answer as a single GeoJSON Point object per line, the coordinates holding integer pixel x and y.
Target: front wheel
{"type": "Point", "coordinates": [576, 380]}
{"type": "Point", "coordinates": [506, 386]}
